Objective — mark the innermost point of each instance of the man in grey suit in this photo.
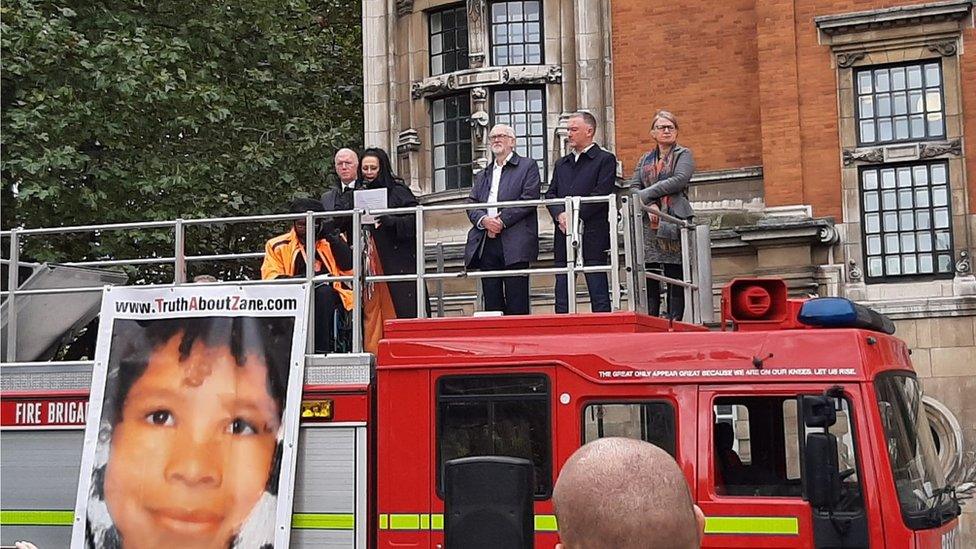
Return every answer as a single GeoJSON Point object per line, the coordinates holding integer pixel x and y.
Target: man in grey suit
{"type": "Point", "coordinates": [504, 238]}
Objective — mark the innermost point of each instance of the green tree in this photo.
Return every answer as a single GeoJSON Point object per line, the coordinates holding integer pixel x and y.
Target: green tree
{"type": "Point", "coordinates": [117, 111]}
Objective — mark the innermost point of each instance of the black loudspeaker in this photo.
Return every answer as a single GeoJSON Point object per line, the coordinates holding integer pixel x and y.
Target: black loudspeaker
{"type": "Point", "coordinates": [488, 503]}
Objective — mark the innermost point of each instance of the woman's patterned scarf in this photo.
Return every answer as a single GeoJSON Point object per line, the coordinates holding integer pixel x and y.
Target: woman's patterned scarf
{"type": "Point", "coordinates": [654, 169]}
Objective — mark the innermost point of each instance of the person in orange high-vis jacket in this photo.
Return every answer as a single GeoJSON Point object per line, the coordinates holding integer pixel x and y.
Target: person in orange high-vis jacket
{"type": "Point", "coordinates": [284, 257]}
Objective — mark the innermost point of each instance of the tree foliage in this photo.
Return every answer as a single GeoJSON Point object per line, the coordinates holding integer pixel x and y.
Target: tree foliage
{"type": "Point", "coordinates": [117, 111]}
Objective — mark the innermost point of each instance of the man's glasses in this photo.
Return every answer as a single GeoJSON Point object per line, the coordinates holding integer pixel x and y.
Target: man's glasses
{"type": "Point", "coordinates": [500, 136]}
{"type": "Point", "coordinates": [665, 128]}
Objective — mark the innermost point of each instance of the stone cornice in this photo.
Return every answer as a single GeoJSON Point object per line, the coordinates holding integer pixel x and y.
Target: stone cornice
{"type": "Point", "coordinates": [896, 152]}
{"type": "Point", "coordinates": [767, 232]}
{"type": "Point", "coordinates": [723, 176]}
{"type": "Point", "coordinates": [953, 10]}
{"type": "Point", "coordinates": [490, 76]}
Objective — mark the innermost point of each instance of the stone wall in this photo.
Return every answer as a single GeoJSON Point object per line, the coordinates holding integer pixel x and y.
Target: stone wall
{"type": "Point", "coordinates": [944, 355]}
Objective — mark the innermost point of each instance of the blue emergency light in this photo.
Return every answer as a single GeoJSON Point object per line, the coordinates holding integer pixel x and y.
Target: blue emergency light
{"type": "Point", "coordinates": [837, 312]}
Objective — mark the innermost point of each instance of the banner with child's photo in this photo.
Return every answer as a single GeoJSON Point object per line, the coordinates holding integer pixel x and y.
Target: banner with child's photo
{"type": "Point", "coordinates": [193, 418]}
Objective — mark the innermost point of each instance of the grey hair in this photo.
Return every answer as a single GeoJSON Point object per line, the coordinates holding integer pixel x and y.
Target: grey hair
{"type": "Point", "coordinates": [345, 151]}
{"type": "Point", "coordinates": [505, 128]}
{"type": "Point", "coordinates": [587, 118]}
{"type": "Point", "coordinates": [667, 115]}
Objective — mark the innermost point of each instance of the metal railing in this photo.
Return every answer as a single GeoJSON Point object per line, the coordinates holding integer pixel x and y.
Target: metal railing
{"type": "Point", "coordinates": [694, 244]}
{"type": "Point", "coordinates": [695, 262]}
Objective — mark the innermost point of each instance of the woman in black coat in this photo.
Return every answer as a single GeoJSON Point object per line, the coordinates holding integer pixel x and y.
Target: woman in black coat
{"type": "Point", "coordinates": [392, 246]}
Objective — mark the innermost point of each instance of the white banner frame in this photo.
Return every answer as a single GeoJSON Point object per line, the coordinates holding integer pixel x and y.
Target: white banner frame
{"type": "Point", "coordinates": [189, 301]}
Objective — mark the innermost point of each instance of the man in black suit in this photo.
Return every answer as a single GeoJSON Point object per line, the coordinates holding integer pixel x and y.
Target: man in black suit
{"type": "Point", "coordinates": [586, 171]}
{"type": "Point", "coordinates": [340, 198]}
{"type": "Point", "coordinates": [504, 238]}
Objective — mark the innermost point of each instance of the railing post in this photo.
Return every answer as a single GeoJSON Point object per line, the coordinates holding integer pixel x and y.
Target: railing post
{"type": "Point", "coordinates": [614, 253]}
{"type": "Point", "coordinates": [310, 253]}
{"type": "Point", "coordinates": [689, 312]}
{"type": "Point", "coordinates": [629, 269]}
{"type": "Point", "coordinates": [439, 247]}
{"type": "Point", "coordinates": [179, 255]}
{"type": "Point", "coordinates": [357, 282]}
{"type": "Point", "coordinates": [13, 280]}
{"type": "Point", "coordinates": [640, 266]}
{"type": "Point", "coordinates": [703, 257]}
{"type": "Point", "coordinates": [421, 263]}
{"type": "Point", "coordinates": [572, 245]}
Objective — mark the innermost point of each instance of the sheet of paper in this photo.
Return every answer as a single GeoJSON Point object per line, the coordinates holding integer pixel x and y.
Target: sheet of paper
{"type": "Point", "coordinates": [369, 199]}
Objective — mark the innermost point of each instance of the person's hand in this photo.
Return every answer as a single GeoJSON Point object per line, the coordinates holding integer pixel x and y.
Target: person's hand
{"type": "Point", "coordinates": [561, 220]}
{"type": "Point", "coordinates": [493, 225]}
{"type": "Point", "coordinates": [381, 220]}
{"type": "Point", "coordinates": [652, 210]}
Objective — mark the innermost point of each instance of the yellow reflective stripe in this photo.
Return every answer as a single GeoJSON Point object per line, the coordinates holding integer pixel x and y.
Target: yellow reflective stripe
{"type": "Point", "coordinates": [323, 521]}
{"type": "Point", "coordinates": [435, 521]}
{"type": "Point", "coordinates": [545, 523]}
{"type": "Point", "coordinates": [306, 521]}
{"type": "Point", "coordinates": [36, 518]}
{"type": "Point", "coordinates": [404, 522]}
{"type": "Point", "coordinates": [783, 526]}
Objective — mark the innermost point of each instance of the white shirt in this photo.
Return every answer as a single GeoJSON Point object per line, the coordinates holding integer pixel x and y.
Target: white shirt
{"type": "Point", "coordinates": [350, 186]}
{"type": "Point", "coordinates": [496, 177]}
{"type": "Point", "coordinates": [576, 155]}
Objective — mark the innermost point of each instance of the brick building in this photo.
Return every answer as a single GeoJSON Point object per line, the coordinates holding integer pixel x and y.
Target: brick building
{"type": "Point", "coordinates": [831, 138]}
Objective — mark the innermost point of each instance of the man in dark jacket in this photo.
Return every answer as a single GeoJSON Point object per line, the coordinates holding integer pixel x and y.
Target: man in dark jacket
{"type": "Point", "coordinates": [504, 238]}
{"type": "Point", "coordinates": [340, 197]}
{"type": "Point", "coordinates": [586, 171]}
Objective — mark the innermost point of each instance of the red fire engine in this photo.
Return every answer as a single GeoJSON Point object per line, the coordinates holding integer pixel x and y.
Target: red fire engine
{"type": "Point", "coordinates": [801, 427]}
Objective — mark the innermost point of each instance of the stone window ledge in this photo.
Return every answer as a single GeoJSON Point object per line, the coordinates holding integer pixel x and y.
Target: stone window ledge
{"type": "Point", "coordinates": [445, 197]}
{"type": "Point", "coordinates": [956, 306]}
{"type": "Point", "coordinates": [515, 75]}
{"type": "Point", "coordinates": [947, 297]}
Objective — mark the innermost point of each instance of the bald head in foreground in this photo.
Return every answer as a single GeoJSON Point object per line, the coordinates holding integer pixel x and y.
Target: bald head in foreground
{"type": "Point", "coordinates": [625, 494]}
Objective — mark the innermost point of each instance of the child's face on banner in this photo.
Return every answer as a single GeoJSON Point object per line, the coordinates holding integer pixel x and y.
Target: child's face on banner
{"type": "Point", "coordinates": [192, 453]}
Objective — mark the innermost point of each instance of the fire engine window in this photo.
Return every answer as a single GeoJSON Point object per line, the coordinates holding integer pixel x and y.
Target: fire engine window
{"type": "Point", "coordinates": [758, 448]}
{"type": "Point", "coordinates": [648, 421]}
{"type": "Point", "coordinates": [505, 415]}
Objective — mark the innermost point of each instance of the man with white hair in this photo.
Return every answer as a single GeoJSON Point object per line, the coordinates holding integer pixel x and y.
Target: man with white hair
{"type": "Point", "coordinates": [626, 494]}
{"type": "Point", "coordinates": [504, 238]}
{"type": "Point", "coordinates": [340, 198]}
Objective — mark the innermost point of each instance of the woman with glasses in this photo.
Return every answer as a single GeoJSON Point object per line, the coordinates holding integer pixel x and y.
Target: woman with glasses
{"type": "Point", "coordinates": [661, 180]}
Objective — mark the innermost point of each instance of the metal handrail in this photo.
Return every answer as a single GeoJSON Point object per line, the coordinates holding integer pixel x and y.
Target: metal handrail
{"type": "Point", "coordinates": [179, 259]}
{"type": "Point", "coordinates": [696, 274]}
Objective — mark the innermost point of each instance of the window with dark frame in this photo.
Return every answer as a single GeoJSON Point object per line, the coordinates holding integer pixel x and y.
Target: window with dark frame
{"type": "Point", "coordinates": [757, 452]}
{"type": "Point", "coordinates": [899, 103]}
{"type": "Point", "coordinates": [448, 40]}
{"type": "Point", "coordinates": [516, 32]}
{"type": "Point", "coordinates": [906, 221]}
{"type": "Point", "coordinates": [652, 422]}
{"type": "Point", "coordinates": [525, 111]}
{"type": "Point", "coordinates": [451, 142]}
{"type": "Point", "coordinates": [496, 415]}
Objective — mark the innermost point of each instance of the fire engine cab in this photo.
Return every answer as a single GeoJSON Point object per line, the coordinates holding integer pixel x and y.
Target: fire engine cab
{"type": "Point", "coordinates": [801, 426]}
